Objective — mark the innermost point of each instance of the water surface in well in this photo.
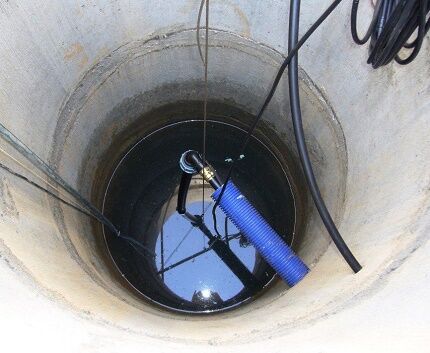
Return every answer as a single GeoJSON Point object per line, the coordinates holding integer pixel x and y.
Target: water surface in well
{"type": "Point", "coordinates": [141, 200]}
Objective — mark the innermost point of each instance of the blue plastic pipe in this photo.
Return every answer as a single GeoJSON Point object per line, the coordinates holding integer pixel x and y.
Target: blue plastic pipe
{"type": "Point", "coordinates": [260, 234]}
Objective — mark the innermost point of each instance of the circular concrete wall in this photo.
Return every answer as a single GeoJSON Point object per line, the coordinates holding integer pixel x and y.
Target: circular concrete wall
{"type": "Point", "coordinates": [76, 77]}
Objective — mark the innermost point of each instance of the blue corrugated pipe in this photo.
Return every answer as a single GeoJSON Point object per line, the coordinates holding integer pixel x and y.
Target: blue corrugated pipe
{"type": "Point", "coordinates": [259, 233]}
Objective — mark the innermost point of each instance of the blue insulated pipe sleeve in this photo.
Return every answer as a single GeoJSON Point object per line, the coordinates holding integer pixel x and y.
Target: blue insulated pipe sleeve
{"type": "Point", "coordinates": [260, 234]}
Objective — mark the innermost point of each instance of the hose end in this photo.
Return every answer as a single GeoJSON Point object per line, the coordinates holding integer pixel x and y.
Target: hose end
{"type": "Point", "coordinates": [185, 165]}
{"type": "Point", "coordinates": [265, 239]}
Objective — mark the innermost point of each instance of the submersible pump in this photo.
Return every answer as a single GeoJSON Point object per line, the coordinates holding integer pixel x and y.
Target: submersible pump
{"type": "Point", "coordinates": [268, 243]}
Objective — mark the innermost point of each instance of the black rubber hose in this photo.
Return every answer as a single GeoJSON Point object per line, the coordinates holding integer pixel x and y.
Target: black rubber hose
{"type": "Point", "coordinates": [300, 140]}
{"type": "Point", "coordinates": [183, 192]}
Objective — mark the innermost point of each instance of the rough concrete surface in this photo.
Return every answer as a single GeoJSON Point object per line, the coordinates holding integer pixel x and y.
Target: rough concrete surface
{"type": "Point", "coordinates": [74, 75]}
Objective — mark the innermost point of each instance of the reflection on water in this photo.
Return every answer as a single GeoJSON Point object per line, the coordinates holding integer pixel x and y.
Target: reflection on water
{"type": "Point", "coordinates": [141, 200]}
{"type": "Point", "coordinates": [206, 273]}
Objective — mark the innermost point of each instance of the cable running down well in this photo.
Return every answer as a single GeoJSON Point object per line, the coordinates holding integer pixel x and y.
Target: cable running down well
{"type": "Point", "coordinates": [331, 228]}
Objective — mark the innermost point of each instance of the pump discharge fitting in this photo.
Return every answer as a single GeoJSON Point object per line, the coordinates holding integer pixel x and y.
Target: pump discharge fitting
{"type": "Point", "coordinates": [249, 221]}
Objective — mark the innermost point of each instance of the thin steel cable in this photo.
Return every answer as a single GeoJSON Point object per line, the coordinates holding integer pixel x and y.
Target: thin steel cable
{"type": "Point", "coordinates": [199, 18]}
{"type": "Point", "coordinates": [63, 196]}
{"type": "Point", "coordinates": [85, 206]}
{"type": "Point", "coordinates": [135, 244]}
{"type": "Point", "coordinates": [205, 102]}
{"type": "Point", "coordinates": [22, 177]}
{"type": "Point", "coordinates": [191, 257]}
{"type": "Point", "coordinates": [43, 167]}
{"type": "Point", "coordinates": [184, 260]}
{"type": "Point", "coordinates": [179, 244]}
{"type": "Point", "coordinates": [162, 233]}
{"type": "Point", "coordinates": [184, 237]}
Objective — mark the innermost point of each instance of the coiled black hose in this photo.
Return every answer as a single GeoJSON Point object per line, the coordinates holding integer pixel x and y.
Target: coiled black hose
{"type": "Point", "coordinates": [392, 25]}
{"type": "Point", "coordinates": [293, 82]}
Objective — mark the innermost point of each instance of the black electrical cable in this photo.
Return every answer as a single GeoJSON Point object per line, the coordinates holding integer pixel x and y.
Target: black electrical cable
{"type": "Point", "coordinates": [325, 215]}
{"type": "Point", "coordinates": [88, 208]}
{"type": "Point", "coordinates": [392, 26]}
{"type": "Point", "coordinates": [293, 81]}
{"type": "Point", "coordinates": [93, 213]}
{"type": "Point", "coordinates": [39, 164]}
{"type": "Point", "coordinates": [133, 242]}
{"type": "Point", "coordinates": [269, 97]}
{"type": "Point", "coordinates": [37, 186]}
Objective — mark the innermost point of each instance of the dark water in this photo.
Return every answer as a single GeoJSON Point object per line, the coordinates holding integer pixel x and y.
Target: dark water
{"type": "Point", "coordinates": [141, 201]}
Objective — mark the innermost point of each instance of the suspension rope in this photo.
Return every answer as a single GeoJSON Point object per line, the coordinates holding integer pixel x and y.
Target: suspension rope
{"type": "Point", "coordinates": [199, 19]}
{"type": "Point", "coordinates": [205, 101]}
